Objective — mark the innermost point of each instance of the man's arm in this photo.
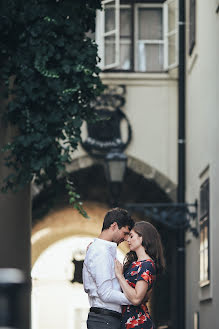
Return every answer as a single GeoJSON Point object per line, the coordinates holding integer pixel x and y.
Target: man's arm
{"type": "Point", "coordinates": [108, 295]}
{"type": "Point", "coordinates": [101, 269]}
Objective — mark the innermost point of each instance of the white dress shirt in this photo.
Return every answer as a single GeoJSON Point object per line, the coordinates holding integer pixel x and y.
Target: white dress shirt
{"type": "Point", "coordinates": [99, 279]}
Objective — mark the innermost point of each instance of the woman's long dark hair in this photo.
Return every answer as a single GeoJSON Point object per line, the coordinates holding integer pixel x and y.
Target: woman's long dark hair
{"type": "Point", "coordinates": [151, 242]}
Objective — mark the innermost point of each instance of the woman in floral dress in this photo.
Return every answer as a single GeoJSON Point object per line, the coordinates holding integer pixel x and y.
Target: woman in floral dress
{"type": "Point", "coordinates": [141, 266]}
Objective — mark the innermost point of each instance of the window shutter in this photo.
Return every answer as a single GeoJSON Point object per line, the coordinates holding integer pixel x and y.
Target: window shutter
{"type": "Point", "coordinates": [107, 34]}
{"type": "Point", "coordinates": [171, 18]}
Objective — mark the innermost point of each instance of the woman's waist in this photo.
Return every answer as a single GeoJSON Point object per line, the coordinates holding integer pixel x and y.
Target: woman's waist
{"type": "Point", "coordinates": [140, 308]}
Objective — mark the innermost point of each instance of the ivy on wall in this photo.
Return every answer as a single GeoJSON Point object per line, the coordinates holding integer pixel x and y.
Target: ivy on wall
{"type": "Point", "coordinates": [50, 74]}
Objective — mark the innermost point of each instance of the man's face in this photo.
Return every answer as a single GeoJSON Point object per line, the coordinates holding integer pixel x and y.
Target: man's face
{"type": "Point", "coordinates": [120, 234]}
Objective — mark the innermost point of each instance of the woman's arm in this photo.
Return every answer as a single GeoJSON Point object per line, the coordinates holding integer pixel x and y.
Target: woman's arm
{"type": "Point", "coordinates": [135, 295]}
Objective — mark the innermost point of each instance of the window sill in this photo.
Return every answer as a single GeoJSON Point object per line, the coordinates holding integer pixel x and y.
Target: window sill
{"type": "Point", "coordinates": [205, 292]}
{"type": "Point", "coordinates": [137, 76]}
{"type": "Point", "coordinates": [204, 283]}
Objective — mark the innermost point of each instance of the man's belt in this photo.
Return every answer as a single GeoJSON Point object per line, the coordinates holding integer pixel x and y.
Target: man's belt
{"type": "Point", "coordinates": [104, 311]}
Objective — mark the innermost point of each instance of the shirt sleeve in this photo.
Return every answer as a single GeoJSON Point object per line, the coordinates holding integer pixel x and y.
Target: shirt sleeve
{"type": "Point", "coordinates": [108, 295]}
{"type": "Point", "coordinates": [101, 268]}
{"type": "Point", "coordinates": [147, 273]}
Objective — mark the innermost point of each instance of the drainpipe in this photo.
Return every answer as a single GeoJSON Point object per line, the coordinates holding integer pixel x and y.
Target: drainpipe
{"type": "Point", "coordinates": [181, 169]}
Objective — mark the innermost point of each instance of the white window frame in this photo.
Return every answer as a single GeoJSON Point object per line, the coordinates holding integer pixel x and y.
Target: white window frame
{"type": "Point", "coordinates": [100, 36]}
{"type": "Point", "coordinates": [206, 287]}
{"type": "Point", "coordinates": [203, 248]}
{"type": "Point", "coordinates": [143, 5]}
{"type": "Point", "coordinates": [169, 33]}
{"type": "Point", "coordinates": [124, 42]}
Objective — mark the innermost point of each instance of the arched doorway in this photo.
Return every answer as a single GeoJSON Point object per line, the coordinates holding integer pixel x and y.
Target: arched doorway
{"type": "Point", "coordinates": [59, 243]}
{"type": "Point", "coordinates": [58, 297]}
{"type": "Point", "coordinates": [141, 184]}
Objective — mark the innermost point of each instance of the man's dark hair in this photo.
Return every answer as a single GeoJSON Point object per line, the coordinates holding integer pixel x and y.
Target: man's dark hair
{"type": "Point", "coordinates": [118, 215]}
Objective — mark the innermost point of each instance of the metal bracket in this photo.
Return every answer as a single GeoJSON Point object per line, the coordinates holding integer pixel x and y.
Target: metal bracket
{"type": "Point", "coordinates": [174, 215]}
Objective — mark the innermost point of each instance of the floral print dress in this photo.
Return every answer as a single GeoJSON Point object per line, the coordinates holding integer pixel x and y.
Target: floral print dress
{"type": "Point", "coordinates": [138, 317]}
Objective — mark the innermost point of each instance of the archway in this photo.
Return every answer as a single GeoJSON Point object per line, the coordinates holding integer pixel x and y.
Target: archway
{"type": "Point", "coordinates": [58, 297]}
{"type": "Point", "coordinates": [59, 242]}
{"type": "Point", "coordinates": [141, 184]}
{"type": "Point", "coordinates": [66, 222]}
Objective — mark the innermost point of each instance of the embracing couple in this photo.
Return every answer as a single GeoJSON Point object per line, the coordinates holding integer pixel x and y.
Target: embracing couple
{"type": "Point", "coordinates": [118, 293]}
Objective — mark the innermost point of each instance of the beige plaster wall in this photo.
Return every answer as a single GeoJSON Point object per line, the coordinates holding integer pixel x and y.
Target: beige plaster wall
{"type": "Point", "coordinates": [151, 106]}
{"type": "Point", "coordinates": [202, 156]}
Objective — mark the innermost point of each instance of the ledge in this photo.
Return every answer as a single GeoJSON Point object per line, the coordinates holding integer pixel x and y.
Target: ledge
{"type": "Point", "coordinates": [137, 77]}
{"type": "Point", "coordinates": [205, 291]}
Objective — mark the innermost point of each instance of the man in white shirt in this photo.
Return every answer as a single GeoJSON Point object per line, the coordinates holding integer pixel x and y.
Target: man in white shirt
{"type": "Point", "coordinates": [100, 282]}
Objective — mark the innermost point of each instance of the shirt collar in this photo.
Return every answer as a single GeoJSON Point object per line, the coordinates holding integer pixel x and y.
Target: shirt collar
{"type": "Point", "coordinates": [111, 246]}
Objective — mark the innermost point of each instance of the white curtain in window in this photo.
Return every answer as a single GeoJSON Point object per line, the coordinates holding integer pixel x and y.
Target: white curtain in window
{"type": "Point", "coordinates": [150, 57]}
{"type": "Point", "coordinates": [125, 56]}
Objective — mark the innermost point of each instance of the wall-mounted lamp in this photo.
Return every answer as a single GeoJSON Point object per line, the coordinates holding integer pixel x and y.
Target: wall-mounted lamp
{"type": "Point", "coordinates": [115, 163]}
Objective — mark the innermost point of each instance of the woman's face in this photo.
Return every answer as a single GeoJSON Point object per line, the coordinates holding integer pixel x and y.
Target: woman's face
{"type": "Point", "coordinates": [134, 241]}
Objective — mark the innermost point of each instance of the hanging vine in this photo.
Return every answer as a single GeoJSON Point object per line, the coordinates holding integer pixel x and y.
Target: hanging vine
{"type": "Point", "coordinates": [50, 75]}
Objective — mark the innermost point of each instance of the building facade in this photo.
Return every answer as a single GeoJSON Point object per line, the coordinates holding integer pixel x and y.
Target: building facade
{"type": "Point", "coordinates": [151, 84]}
{"type": "Point", "coordinates": [138, 44]}
{"type": "Point", "coordinates": [202, 165]}
{"type": "Point", "coordinates": [139, 69]}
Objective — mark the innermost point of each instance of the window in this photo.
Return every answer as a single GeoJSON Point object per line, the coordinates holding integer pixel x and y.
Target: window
{"type": "Point", "coordinates": [138, 35]}
{"type": "Point", "coordinates": [204, 234]}
{"type": "Point", "coordinates": [149, 47]}
{"type": "Point", "coordinates": [192, 24]}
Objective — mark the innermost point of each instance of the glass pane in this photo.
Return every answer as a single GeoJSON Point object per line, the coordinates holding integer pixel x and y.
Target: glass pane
{"type": "Point", "coordinates": [125, 56]}
{"type": "Point", "coordinates": [201, 267]}
{"type": "Point", "coordinates": [206, 252]}
{"type": "Point", "coordinates": [150, 24]}
{"type": "Point", "coordinates": [172, 49]}
{"type": "Point", "coordinates": [109, 18]}
{"type": "Point", "coordinates": [201, 255]}
{"type": "Point", "coordinates": [110, 50]}
{"type": "Point", "coordinates": [172, 16]}
{"type": "Point", "coordinates": [150, 57]}
{"type": "Point", "coordinates": [206, 237]}
{"type": "Point", "coordinates": [206, 265]}
{"type": "Point", "coordinates": [116, 169]}
{"type": "Point", "coordinates": [125, 22]}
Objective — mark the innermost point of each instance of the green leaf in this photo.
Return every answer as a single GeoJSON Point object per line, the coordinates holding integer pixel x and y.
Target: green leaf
{"type": "Point", "coordinates": [55, 79]}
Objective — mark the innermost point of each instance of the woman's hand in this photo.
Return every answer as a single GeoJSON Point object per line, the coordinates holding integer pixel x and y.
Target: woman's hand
{"type": "Point", "coordinates": [135, 294]}
{"type": "Point", "coordinates": [118, 269]}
